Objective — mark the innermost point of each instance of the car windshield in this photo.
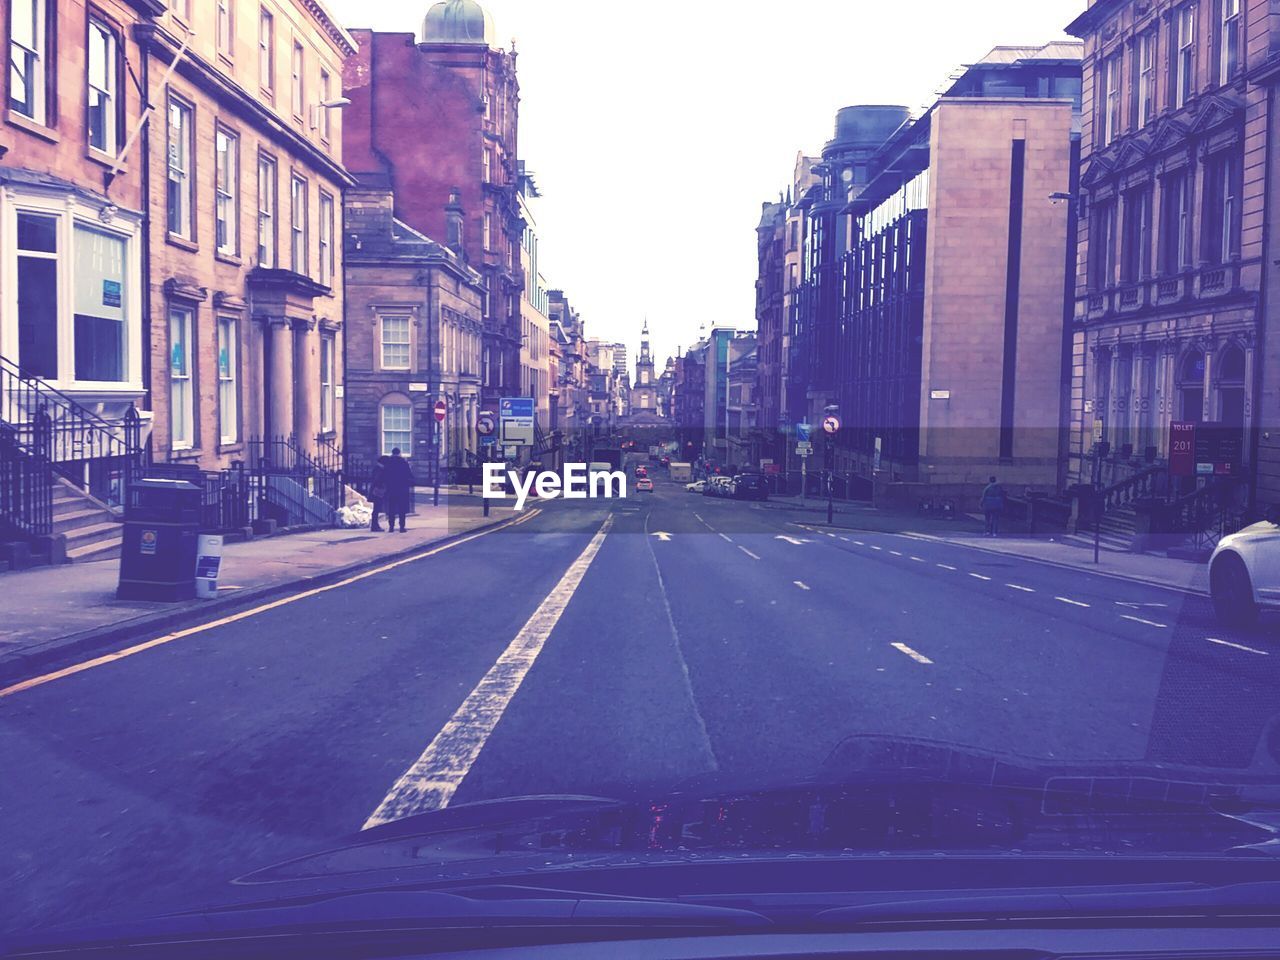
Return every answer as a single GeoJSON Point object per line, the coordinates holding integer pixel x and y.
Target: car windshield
{"type": "Point", "coordinates": [792, 429]}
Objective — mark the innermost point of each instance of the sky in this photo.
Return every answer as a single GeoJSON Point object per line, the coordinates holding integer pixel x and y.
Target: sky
{"type": "Point", "coordinates": [656, 130]}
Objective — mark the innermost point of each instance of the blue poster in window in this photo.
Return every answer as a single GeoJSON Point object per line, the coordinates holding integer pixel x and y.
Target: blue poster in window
{"type": "Point", "coordinates": [176, 360]}
{"type": "Point", "coordinates": [111, 293]}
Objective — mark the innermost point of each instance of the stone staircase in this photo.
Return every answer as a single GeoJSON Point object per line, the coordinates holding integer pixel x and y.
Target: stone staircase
{"type": "Point", "coordinates": [91, 528]}
{"type": "Point", "coordinates": [1117, 531]}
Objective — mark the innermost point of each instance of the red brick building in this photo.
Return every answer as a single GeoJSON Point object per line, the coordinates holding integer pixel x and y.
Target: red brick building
{"type": "Point", "coordinates": [436, 115]}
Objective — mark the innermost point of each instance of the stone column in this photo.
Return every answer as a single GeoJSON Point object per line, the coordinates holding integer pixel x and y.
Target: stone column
{"type": "Point", "coordinates": [279, 403]}
{"type": "Point", "coordinates": [306, 383]}
{"type": "Point", "coordinates": [1250, 358]}
{"type": "Point", "coordinates": [1209, 410]}
{"type": "Point", "coordinates": [1140, 405]}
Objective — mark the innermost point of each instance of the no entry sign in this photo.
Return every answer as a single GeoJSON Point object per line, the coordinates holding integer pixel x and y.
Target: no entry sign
{"type": "Point", "coordinates": [441, 410]}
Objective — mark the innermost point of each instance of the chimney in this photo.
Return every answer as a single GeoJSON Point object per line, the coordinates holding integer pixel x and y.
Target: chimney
{"type": "Point", "coordinates": [454, 223]}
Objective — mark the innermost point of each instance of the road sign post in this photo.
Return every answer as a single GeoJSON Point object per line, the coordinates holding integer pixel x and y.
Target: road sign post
{"type": "Point", "coordinates": [440, 410]}
{"type": "Point", "coordinates": [830, 426]}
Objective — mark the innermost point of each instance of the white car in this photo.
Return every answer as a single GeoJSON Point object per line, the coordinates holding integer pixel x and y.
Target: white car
{"type": "Point", "coordinates": [696, 487]}
{"type": "Point", "coordinates": [1244, 574]}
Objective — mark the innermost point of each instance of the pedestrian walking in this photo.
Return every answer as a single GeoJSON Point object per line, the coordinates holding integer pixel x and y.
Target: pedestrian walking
{"type": "Point", "coordinates": [399, 484]}
{"type": "Point", "coordinates": [993, 501]}
{"type": "Point", "coordinates": [378, 492]}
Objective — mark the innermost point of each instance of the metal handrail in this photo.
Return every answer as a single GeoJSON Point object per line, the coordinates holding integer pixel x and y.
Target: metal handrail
{"type": "Point", "coordinates": [1129, 489]}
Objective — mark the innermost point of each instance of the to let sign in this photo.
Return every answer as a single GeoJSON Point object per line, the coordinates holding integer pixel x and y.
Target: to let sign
{"type": "Point", "coordinates": [1219, 449]}
{"type": "Point", "coordinates": [1182, 449]}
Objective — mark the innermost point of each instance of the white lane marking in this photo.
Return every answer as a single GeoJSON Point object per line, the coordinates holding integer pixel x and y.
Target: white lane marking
{"type": "Point", "coordinates": [896, 553]}
{"type": "Point", "coordinates": [800, 584]}
{"type": "Point", "coordinates": [874, 547]}
{"type": "Point", "coordinates": [725, 538]}
{"type": "Point", "coordinates": [792, 540]}
{"type": "Point", "coordinates": [1138, 606]}
{"type": "Point", "coordinates": [832, 535]}
{"type": "Point", "coordinates": [945, 566]}
{"type": "Point", "coordinates": [1018, 586]}
{"type": "Point", "coordinates": [859, 543]}
{"type": "Point", "coordinates": [254, 611]}
{"type": "Point", "coordinates": [1149, 623]}
{"type": "Point", "coordinates": [748, 552]}
{"type": "Point", "coordinates": [918, 559]}
{"type": "Point", "coordinates": [430, 783]}
{"type": "Point", "coordinates": [1239, 646]}
{"type": "Point", "coordinates": [845, 539]}
{"type": "Point", "coordinates": [1074, 603]}
{"type": "Point", "coordinates": [917, 657]}
{"type": "Point", "coordinates": [979, 576]}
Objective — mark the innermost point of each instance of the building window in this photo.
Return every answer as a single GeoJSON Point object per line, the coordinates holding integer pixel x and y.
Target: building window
{"type": "Point", "coordinates": [1136, 262]}
{"type": "Point", "coordinates": [395, 343]}
{"type": "Point", "coordinates": [1221, 230]}
{"type": "Point", "coordinates": [1111, 100]}
{"type": "Point", "coordinates": [295, 79]}
{"type": "Point", "coordinates": [326, 239]}
{"type": "Point", "coordinates": [181, 180]}
{"type": "Point", "coordinates": [29, 58]}
{"type": "Point", "coordinates": [266, 211]}
{"type": "Point", "coordinates": [325, 112]}
{"type": "Point", "coordinates": [397, 428]}
{"type": "Point", "coordinates": [38, 295]}
{"type": "Point", "coordinates": [1175, 222]}
{"type": "Point", "coordinates": [225, 29]}
{"type": "Point", "coordinates": [486, 161]}
{"type": "Point", "coordinates": [1146, 78]}
{"type": "Point", "coordinates": [487, 237]}
{"type": "Point", "coordinates": [1102, 242]}
{"type": "Point", "coordinates": [99, 327]}
{"type": "Point", "coordinates": [298, 225]}
{"type": "Point", "coordinates": [227, 192]}
{"type": "Point", "coordinates": [1184, 61]}
{"type": "Point", "coordinates": [181, 394]}
{"type": "Point", "coordinates": [228, 388]}
{"type": "Point", "coordinates": [103, 114]}
{"type": "Point", "coordinates": [326, 383]}
{"type": "Point", "coordinates": [181, 8]}
{"type": "Point", "coordinates": [1229, 50]}
{"type": "Point", "coordinates": [267, 52]}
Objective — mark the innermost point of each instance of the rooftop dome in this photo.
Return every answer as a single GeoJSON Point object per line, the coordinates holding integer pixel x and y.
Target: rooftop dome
{"type": "Point", "coordinates": [457, 21]}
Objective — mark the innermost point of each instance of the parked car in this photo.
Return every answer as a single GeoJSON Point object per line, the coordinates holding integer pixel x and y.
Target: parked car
{"type": "Point", "coordinates": [718, 487]}
{"type": "Point", "coordinates": [1244, 574]}
{"type": "Point", "coordinates": [696, 487]}
{"type": "Point", "coordinates": [644, 485]}
{"type": "Point", "coordinates": [750, 486]}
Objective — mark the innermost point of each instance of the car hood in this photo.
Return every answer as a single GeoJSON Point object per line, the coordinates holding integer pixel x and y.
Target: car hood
{"type": "Point", "coordinates": [1261, 528]}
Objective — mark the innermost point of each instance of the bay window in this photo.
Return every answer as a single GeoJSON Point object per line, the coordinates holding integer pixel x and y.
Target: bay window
{"type": "Point", "coordinates": [227, 192]}
{"type": "Point", "coordinates": [29, 58]}
{"type": "Point", "coordinates": [181, 391]}
{"type": "Point", "coordinates": [228, 381]}
{"type": "Point", "coordinates": [267, 186]}
{"type": "Point", "coordinates": [103, 64]}
{"type": "Point", "coordinates": [181, 181]}
{"type": "Point", "coordinates": [298, 225]}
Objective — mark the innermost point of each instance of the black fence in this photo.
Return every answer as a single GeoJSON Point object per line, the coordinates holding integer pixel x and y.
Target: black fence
{"type": "Point", "coordinates": [26, 482]}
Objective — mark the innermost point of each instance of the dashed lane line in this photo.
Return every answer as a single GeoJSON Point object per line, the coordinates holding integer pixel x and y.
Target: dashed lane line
{"type": "Point", "coordinates": [1018, 586]}
{"type": "Point", "coordinates": [430, 783]}
{"type": "Point", "coordinates": [979, 576]}
{"type": "Point", "coordinates": [1238, 646]}
{"type": "Point", "coordinates": [918, 559]}
{"type": "Point", "coordinates": [1149, 623]}
{"type": "Point", "coordinates": [874, 547]}
{"type": "Point", "coordinates": [747, 552]}
{"type": "Point", "coordinates": [253, 611]}
{"type": "Point", "coordinates": [1074, 603]}
{"type": "Point", "coordinates": [914, 655]}
{"type": "Point", "coordinates": [801, 584]}
{"type": "Point", "coordinates": [945, 566]}
{"type": "Point", "coordinates": [726, 538]}
{"type": "Point", "coordinates": [896, 553]}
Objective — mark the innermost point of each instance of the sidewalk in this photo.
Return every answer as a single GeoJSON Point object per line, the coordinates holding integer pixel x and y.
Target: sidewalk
{"type": "Point", "coordinates": [49, 612]}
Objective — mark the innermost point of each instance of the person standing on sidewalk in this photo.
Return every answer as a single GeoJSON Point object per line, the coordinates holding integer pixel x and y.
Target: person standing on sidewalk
{"type": "Point", "coordinates": [993, 498]}
{"type": "Point", "coordinates": [378, 493]}
{"type": "Point", "coordinates": [399, 483]}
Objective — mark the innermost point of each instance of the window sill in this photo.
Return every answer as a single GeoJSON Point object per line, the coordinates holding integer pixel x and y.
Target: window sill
{"type": "Point", "coordinates": [235, 446]}
{"type": "Point", "coordinates": [31, 126]}
{"type": "Point", "coordinates": [174, 240]}
{"type": "Point", "coordinates": [227, 61]}
{"type": "Point", "coordinates": [183, 453]}
{"type": "Point", "coordinates": [106, 159]}
{"type": "Point", "coordinates": [230, 258]}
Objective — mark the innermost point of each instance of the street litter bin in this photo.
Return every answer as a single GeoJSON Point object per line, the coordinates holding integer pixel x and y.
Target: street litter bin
{"type": "Point", "coordinates": [158, 553]}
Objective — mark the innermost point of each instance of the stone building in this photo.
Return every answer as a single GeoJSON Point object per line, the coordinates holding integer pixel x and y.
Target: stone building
{"type": "Point", "coordinates": [644, 391]}
{"type": "Point", "coordinates": [414, 338]}
{"type": "Point", "coordinates": [951, 355]}
{"type": "Point", "coordinates": [771, 238]}
{"type": "Point", "coordinates": [535, 326]}
{"type": "Point", "coordinates": [1170, 259]}
{"type": "Point", "coordinates": [436, 115]}
{"type": "Point", "coordinates": [244, 151]}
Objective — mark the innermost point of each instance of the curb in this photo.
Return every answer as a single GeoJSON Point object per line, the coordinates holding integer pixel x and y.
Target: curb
{"type": "Point", "coordinates": [19, 666]}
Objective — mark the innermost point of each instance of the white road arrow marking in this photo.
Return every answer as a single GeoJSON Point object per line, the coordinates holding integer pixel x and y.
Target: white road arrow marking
{"type": "Point", "coordinates": [792, 540]}
{"type": "Point", "coordinates": [664, 537]}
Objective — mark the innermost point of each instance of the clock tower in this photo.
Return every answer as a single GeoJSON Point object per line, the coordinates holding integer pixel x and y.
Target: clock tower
{"type": "Point", "coordinates": [644, 389]}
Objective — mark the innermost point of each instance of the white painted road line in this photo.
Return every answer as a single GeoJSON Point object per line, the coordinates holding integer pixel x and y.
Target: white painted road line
{"type": "Point", "coordinates": [896, 553]}
{"type": "Point", "coordinates": [1238, 646]}
{"type": "Point", "coordinates": [979, 576]}
{"type": "Point", "coordinates": [874, 547]}
{"type": "Point", "coordinates": [1018, 586]}
{"type": "Point", "coordinates": [945, 566]}
{"type": "Point", "coordinates": [917, 657]}
{"type": "Point", "coordinates": [428, 551]}
{"type": "Point", "coordinates": [723, 537]}
{"type": "Point", "coordinates": [748, 552]}
{"type": "Point", "coordinates": [918, 559]}
{"type": "Point", "coordinates": [1149, 623]}
{"type": "Point", "coordinates": [859, 543]}
{"type": "Point", "coordinates": [1074, 603]}
{"type": "Point", "coordinates": [801, 584]}
{"type": "Point", "coordinates": [430, 783]}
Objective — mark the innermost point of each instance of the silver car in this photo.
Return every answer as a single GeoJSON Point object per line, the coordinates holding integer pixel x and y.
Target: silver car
{"type": "Point", "coordinates": [1244, 574]}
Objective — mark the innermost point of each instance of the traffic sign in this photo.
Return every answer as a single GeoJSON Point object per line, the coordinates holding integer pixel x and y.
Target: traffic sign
{"type": "Point", "coordinates": [486, 423]}
{"type": "Point", "coordinates": [803, 432]}
{"type": "Point", "coordinates": [831, 425]}
{"type": "Point", "coordinates": [516, 418]}
{"type": "Point", "coordinates": [441, 410]}
{"type": "Point", "coordinates": [804, 448]}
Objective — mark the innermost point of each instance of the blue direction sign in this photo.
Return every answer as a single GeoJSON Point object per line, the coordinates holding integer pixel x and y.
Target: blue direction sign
{"type": "Point", "coordinates": [804, 432]}
{"type": "Point", "coordinates": [515, 414]}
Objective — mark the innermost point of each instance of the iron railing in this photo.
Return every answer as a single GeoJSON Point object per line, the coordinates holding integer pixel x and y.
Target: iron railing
{"type": "Point", "coordinates": [1206, 515]}
{"type": "Point", "coordinates": [26, 479]}
{"type": "Point", "coordinates": [1143, 484]}
{"type": "Point", "coordinates": [282, 456]}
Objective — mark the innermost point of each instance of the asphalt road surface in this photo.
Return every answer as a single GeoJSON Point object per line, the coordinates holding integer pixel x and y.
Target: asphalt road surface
{"type": "Point", "coordinates": [615, 648]}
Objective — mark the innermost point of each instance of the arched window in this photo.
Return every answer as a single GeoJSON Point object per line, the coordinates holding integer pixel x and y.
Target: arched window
{"type": "Point", "coordinates": [1230, 377]}
{"type": "Point", "coordinates": [1231, 365]}
{"type": "Point", "coordinates": [395, 424]}
{"type": "Point", "coordinates": [1191, 385]}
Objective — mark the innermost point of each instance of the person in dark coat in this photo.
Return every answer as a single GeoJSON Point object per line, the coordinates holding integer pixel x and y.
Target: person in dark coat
{"type": "Point", "coordinates": [399, 484]}
{"type": "Point", "coordinates": [378, 492]}
{"type": "Point", "coordinates": [993, 502]}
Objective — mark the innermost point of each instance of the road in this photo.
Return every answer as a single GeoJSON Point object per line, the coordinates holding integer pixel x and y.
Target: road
{"type": "Point", "coordinates": [616, 648]}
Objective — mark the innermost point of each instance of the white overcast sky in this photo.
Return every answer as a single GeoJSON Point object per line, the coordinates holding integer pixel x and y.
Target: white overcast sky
{"type": "Point", "coordinates": [656, 129]}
